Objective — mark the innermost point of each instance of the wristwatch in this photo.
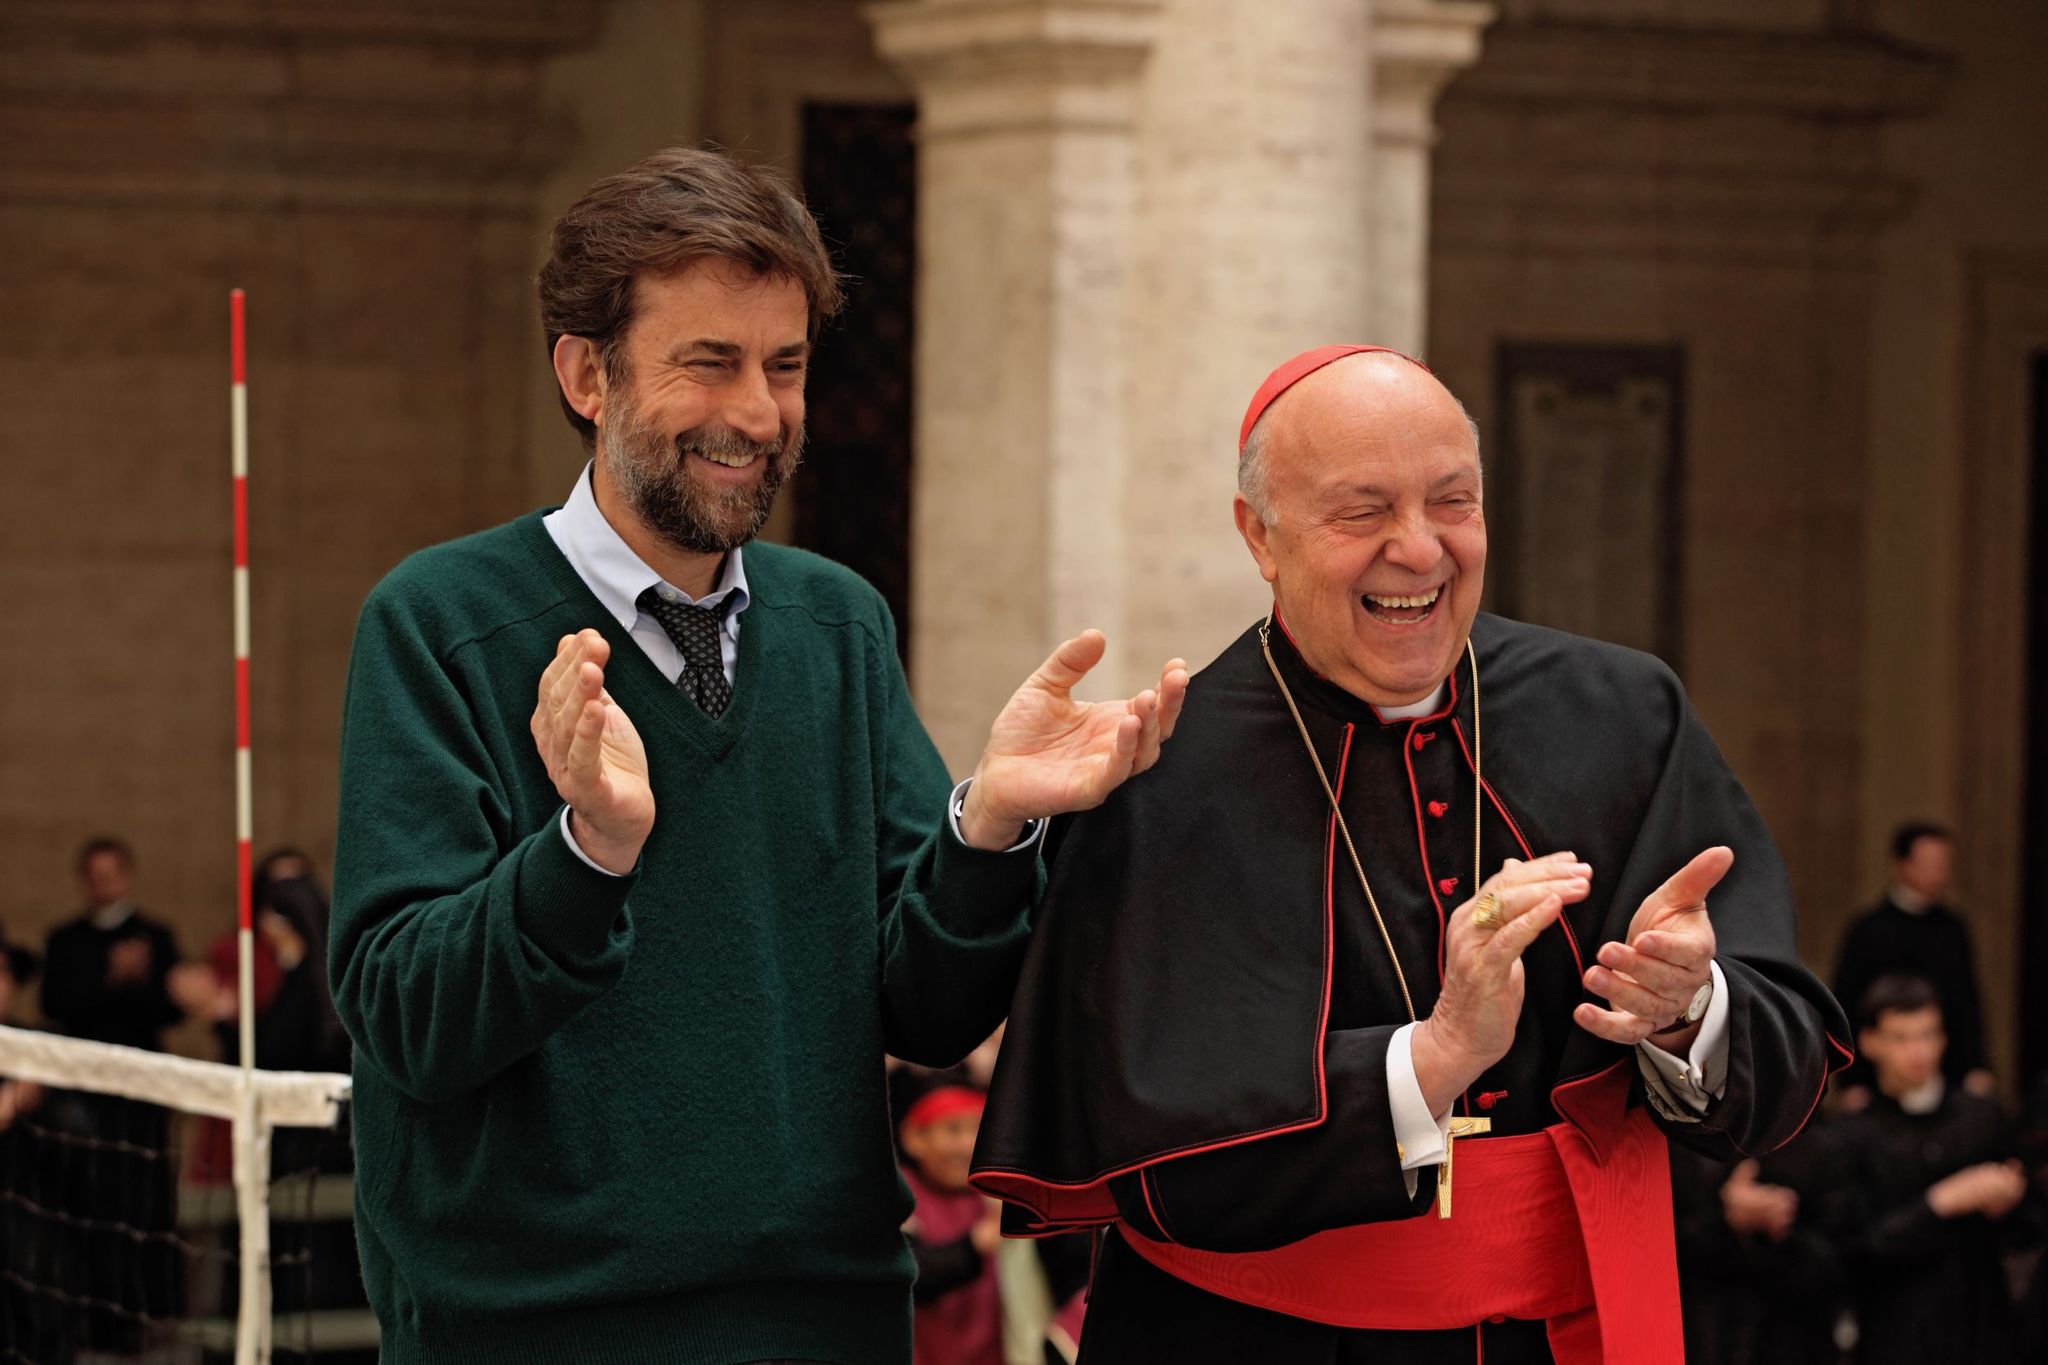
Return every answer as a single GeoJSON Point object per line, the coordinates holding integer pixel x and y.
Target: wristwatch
{"type": "Point", "coordinates": [1694, 1012]}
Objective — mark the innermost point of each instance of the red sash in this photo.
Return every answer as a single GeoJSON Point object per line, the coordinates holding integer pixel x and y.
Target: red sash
{"type": "Point", "coordinates": [1546, 1227]}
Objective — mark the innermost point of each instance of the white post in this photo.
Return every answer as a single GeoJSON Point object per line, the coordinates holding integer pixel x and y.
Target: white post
{"type": "Point", "coordinates": [252, 1211]}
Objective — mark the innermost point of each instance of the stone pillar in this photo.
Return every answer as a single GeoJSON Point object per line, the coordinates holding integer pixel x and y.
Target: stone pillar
{"type": "Point", "coordinates": [1129, 212]}
{"type": "Point", "coordinates": [1418, 45]}
{"type": "Point", "coordinates": [1254, 242]}
{"type": "Point", "coordinates": [1025, 198]}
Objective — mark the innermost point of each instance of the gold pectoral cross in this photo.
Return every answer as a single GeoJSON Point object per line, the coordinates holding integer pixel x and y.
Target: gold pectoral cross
{"type": "Point", "coordinates": [1459, 1127]}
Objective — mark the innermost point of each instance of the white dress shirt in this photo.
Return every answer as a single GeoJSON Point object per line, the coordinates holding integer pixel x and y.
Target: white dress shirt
{"type": "Point", "coordinates": [616, 577]}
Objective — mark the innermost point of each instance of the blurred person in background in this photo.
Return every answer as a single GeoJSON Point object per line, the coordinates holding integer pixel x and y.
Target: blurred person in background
{"type": "Point", "coordinates": [2033, 1306]}
{"type": "Point", "coordinates": [18, 967]}
{"type": "Point", "coordinates": [107, 978]}
{"type": "Point", "coordinates": [296, 1030]}
{"type": "Point", "coordinates": [1914, 931]}
{"type": "Point", "coordinates": [1760, 1280]}
{"type": "Point", "coordinates": [954, 1231]}
{"type": "Point", "coordinates": [296, 1026]}
{"type": "Point", "coordinates": [1930, 1189]}
{"type": "Point", "coordinates": [108, 972]}
{"type": "Point", "coordinates": [34, 1322]}
{"type": "Point", "coordinates": [979, 1300]}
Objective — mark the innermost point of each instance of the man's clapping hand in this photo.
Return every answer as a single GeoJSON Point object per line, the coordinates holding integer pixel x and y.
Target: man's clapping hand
{"type": "Point", "coordinates": [593, 754]}
{"type": "Point", "coordinates": [1049, 754]}
{"type": "Point", "coordinates": [1652, 978]}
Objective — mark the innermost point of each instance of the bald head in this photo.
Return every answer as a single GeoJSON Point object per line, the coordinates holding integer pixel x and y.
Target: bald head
{"type": "Point", "coordinates": [1388, 373]}
{"type": "Point", "coordinates": [1359, 497]}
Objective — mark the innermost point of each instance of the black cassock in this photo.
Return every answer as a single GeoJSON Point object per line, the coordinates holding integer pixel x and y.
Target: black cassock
{"type": "Point", "coordinates": [1927, 1288]}
{"type": "Point", "coordinates": [1194, 1012]}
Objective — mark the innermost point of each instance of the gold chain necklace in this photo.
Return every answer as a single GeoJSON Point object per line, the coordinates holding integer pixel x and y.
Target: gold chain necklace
{"type": "Point", "coordinates": [1478, 792]}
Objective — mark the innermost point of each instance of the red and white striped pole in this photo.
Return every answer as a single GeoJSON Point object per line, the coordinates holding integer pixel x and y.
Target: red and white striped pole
{"type": "Point", "coordinates": [252, 1149]}
{"type": "Point", "coordinates": [238, 401]}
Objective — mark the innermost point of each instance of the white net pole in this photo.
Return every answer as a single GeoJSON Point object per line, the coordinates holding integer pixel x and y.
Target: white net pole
{"type": "Point", "coordinates": [252, 1210]}
{"type": "Point", "coordinates": [255, 1102]}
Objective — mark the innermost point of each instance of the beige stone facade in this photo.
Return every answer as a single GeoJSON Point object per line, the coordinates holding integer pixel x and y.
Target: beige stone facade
{"type": "Point", "coordinates": [1127, 211]}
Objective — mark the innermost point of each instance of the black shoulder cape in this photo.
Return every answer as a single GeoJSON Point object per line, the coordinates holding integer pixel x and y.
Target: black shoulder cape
{"type": "Point", "coordinates": [1176, 997]}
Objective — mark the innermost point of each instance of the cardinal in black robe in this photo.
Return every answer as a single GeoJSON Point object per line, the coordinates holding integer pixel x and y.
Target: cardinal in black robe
{"type": "Point", "coordinates": [1222, 1016]}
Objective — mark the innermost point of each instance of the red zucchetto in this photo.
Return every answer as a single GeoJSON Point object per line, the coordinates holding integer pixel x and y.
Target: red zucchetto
{"type": "Point", "coordinates": [1298, 369]}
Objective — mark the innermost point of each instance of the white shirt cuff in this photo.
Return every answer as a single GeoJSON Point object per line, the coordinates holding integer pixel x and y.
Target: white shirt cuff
{"type": "Point", "coordinates": [577, 848]}
{"type": "Point", "coordinates": [1418, 1135]}
{"type": "Point", "coordinates": [1034, 830]}
{"type": "Point", "coordinates": [1687, 1085]}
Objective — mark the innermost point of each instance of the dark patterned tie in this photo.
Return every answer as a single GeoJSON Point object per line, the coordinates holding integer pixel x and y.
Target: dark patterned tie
{"type": "Point", "coordinates": [695, 631]}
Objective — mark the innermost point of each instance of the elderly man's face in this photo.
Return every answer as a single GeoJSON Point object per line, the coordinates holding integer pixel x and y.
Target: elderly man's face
{"type": "Point", "coordinates": [703, 422]}
{"type": "Point", "coordinates": [1376, 547]}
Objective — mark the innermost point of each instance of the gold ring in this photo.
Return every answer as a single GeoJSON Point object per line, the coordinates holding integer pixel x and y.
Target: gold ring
{"type": "Point", "coordinates": [1486, 911]}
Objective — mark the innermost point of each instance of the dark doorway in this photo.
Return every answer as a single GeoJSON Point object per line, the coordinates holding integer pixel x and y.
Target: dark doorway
{"type": "Point", "coordinates": [852, 499]}
{"type": "Point", "coordinates": [2034, 835]}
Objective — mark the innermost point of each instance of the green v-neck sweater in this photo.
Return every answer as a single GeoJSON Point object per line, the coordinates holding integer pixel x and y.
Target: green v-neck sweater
{"type": "Point", "coordinates": [641, 1119]}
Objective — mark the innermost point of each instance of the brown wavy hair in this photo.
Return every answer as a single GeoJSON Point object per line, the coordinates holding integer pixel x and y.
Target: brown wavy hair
{"type": "Point", "coordinates": [682, 204]}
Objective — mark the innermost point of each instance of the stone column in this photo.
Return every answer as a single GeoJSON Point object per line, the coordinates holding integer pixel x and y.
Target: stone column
{"type": "Point", "coordinates": [1255, 242]}
{"type": "Point", "coordinates": [1025, 185]}
{"type": "Point", "coordinates": [1418, 45]}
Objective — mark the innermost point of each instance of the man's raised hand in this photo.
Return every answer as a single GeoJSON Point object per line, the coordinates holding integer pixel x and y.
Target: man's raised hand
{"type": "Point", "coordinates": [1651, 979]}
{"type": "Point", "coordinates": [1049, 754]}
{"type": "Point", "coordinates": [593, 754]}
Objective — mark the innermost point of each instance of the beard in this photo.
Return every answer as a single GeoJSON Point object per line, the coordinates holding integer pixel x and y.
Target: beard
{"type": "Point", "coordinates": [655, 476]}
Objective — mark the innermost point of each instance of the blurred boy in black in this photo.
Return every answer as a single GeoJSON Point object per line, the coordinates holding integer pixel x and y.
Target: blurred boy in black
{"type": "Point", "coordinates": [1913, 931]}
{"type": "Point", "coordinates": [1759, 1276]}
{"type": "Point", "coordinates": [1930, 1192]}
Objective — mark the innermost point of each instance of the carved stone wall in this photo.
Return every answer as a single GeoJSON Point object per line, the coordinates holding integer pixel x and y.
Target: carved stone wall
{"type": "Point", "coordinates": [1961, 296]}
{"type": "Point", "coordinates": [1721, 192]}
{"type": "Point", "coordinates": [366, 170]}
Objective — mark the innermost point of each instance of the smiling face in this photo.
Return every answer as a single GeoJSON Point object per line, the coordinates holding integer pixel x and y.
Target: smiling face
{"type": "Point", "coordinates": [944, 1149]}
{"type": "Point", "coordinates": [701, 416]}
{"type": "Point", "coordinates": [1374, 536]}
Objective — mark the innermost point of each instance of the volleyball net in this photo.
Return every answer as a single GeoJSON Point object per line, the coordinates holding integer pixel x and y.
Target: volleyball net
{"type": "Point", "coordinates": [159, 1209]}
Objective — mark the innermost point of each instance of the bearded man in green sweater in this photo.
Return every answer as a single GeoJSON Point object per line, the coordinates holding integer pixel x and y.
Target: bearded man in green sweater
{"type": "Point", "coordinates": [645, 858]}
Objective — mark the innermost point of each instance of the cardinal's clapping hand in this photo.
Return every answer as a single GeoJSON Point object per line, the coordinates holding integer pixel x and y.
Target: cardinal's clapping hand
{"type": "Point", "coordinates": [1049, 754]}
{"type": "Point", "coordinates": [1651, 979]}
